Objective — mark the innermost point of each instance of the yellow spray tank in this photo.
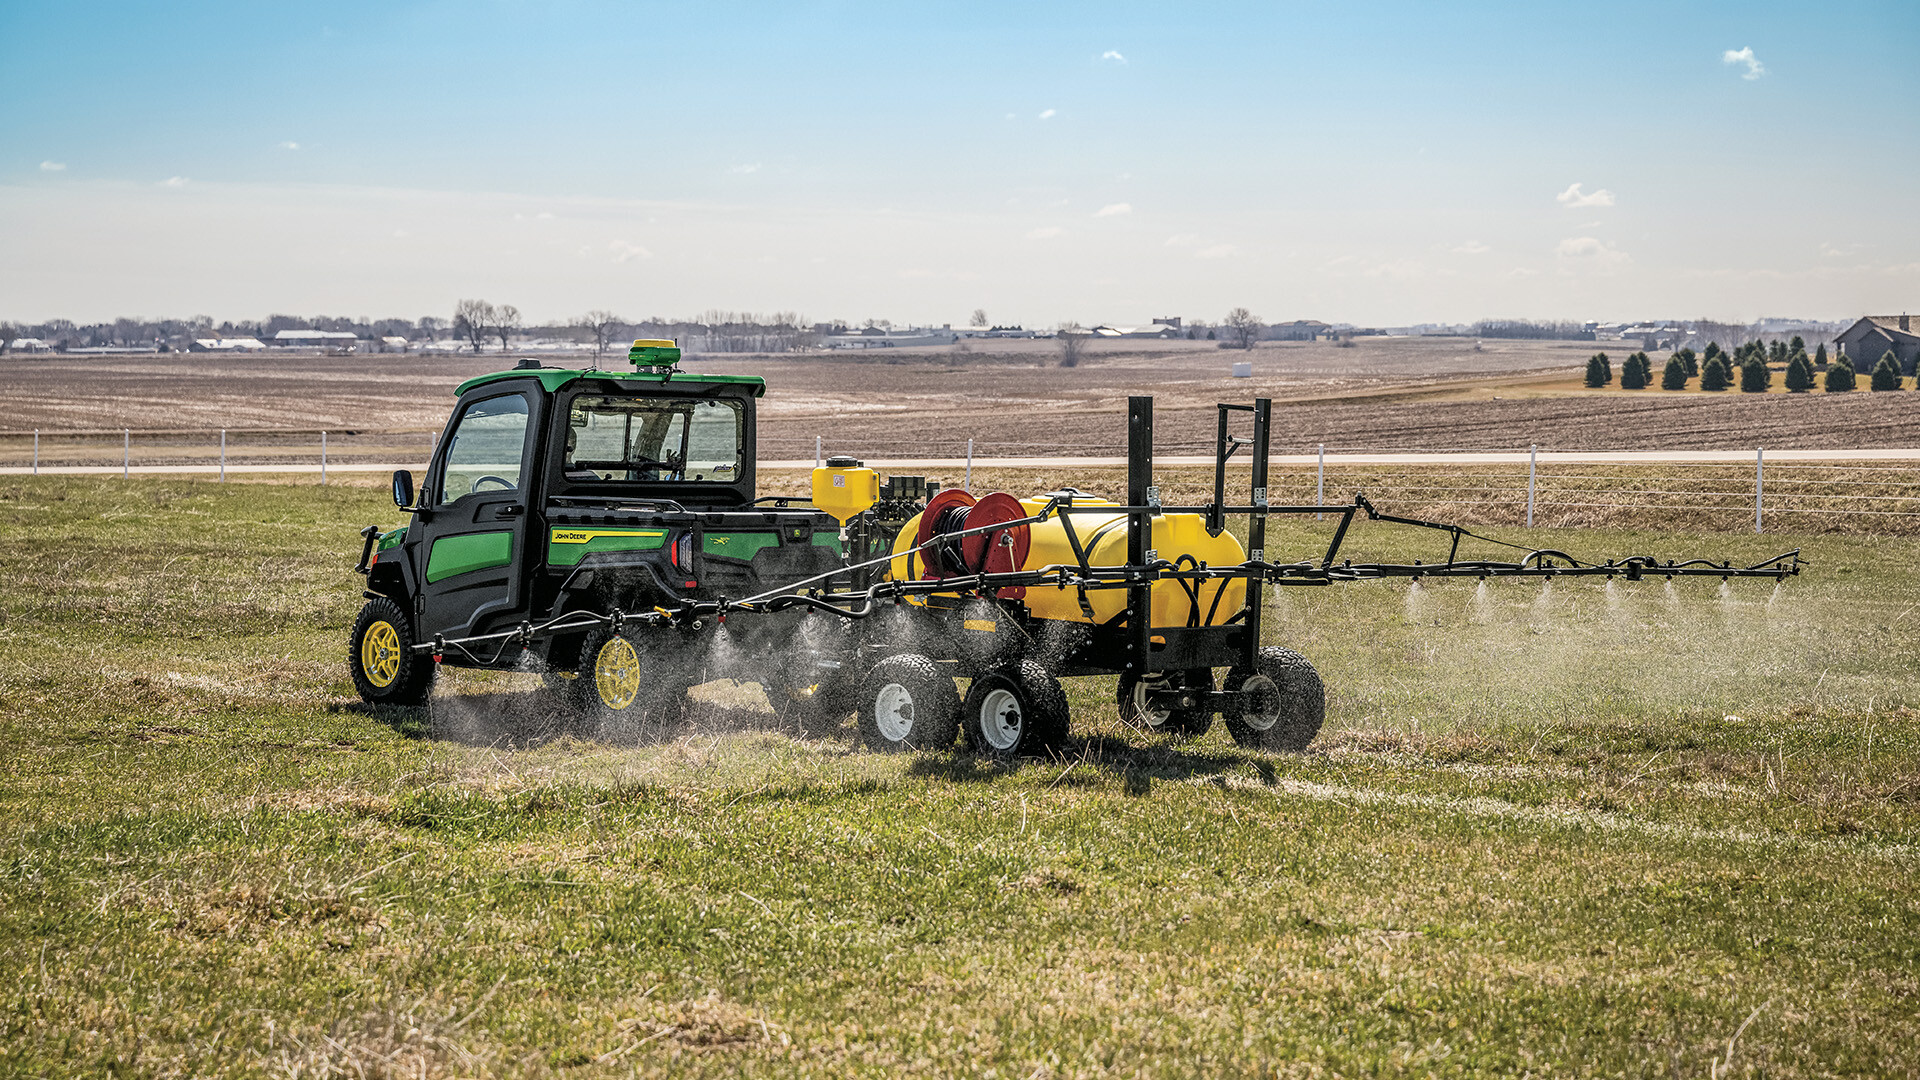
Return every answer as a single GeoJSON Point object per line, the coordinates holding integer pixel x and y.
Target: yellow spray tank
{"type": "Point", "coordinates": [1102, 535]}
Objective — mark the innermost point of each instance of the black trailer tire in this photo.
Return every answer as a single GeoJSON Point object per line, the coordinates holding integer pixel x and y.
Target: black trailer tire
{"type": "Point", "coordinates": [1015, 710]}
{"type": "Point", "coordinates": [1288, 702]}
{"type": "Point", "coordinates": [628, 676]}
{"type": "Point", "coordinates": [908, 703]}
{"type": "Point", "coordinates": [1181, 723]}
{"type": "Point", "coordinates": [386, 669]}
{"type": "Point", "coordinates": [819, 708]}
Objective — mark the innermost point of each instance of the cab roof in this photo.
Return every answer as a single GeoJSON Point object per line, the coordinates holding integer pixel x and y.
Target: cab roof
{"type": "Point", "coordinates": [553, 379]}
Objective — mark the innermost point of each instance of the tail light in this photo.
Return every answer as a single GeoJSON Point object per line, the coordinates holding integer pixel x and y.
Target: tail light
{"type": "Point", "coordinates": [683, 553]}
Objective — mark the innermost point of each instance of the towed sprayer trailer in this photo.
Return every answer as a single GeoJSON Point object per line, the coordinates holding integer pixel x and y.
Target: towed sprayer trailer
{"type": "Point", "coordinates": [604, 528]}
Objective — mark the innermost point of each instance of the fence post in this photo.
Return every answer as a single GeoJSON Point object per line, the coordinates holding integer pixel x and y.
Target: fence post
{"type": "Point", "coordinates": [1320, 491]}
{"type": "Point", "coordinates": [126, 451]}
{"type": "Point", "coordinates": [223, 455]}
{"type": "Point", "coordinates": [1759, 478]}
{"type": "Point", "coordinates": [1533, 460]}
{"type": "Point", "coordinates": [817, 459]}
{"type": "Point", "coordinates": [36, 451]}
{"type": "Point", "coordinates": [967, 484]}
{"type": "Point", "coordinates": [323, 459]}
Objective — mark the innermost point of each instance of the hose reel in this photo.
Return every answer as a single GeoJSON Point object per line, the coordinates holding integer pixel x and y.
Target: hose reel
{"type": "Point", "coordinates": [993, 551]}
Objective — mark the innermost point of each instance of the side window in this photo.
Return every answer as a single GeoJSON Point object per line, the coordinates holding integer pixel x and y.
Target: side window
{"type": "Point", "coordinates": [486, 448]}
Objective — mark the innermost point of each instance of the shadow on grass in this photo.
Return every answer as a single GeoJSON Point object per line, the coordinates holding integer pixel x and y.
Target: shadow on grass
{"type": "Point", "coordinates": [531, 718]}
{"type": "Point", "coordinates": [1105, 759]}
{"type": "Point", "coordinates": [524, 719]}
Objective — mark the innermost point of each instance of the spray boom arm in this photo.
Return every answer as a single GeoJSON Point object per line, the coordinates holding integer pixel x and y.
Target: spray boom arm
{"type": "Point", "coordinates": [859, 603]}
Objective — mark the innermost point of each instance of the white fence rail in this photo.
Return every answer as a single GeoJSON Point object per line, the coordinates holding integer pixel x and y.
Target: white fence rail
{"type": "Point", "coordinates": [1796, 487]}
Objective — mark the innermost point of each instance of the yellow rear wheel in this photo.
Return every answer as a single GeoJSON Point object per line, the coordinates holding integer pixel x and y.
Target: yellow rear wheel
{"type": "Point", "coordinates": [616, 673]}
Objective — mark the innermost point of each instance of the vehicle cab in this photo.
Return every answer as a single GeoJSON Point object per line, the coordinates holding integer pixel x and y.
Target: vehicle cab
{"type": "Point", "coordinates": [553, 490]}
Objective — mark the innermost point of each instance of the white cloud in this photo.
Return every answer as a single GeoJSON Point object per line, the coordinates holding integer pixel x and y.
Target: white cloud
{"type": "Point", "coordinates": [53, 166]}
{"type": "Point", "coordinates": [1575, 199]}
{"type": "Point", "coordinates": [745, 169]}
{"type": "Point", "coordinates": [1586, 250]}
{"type": "Point", "coordinates": [1472, 247]}
{"type": "Point", "coordinates": [1755, 68]}
{"type": "Point", "coordinates": [1047, 114]}
{"type": "Point", "coordinates": [1185, 239]}
{"type": "Point", "coordinates": [1217, 251]}
{"type": "Point", "coordinates": [174, 181]}
{"type": "Point", "coordinates": [1114, 55]}
{"type": "Point", "coordinates": [289, 145]}
{"type": "Point", "coordinates": [1114, 210]}
{"type": "Point", "coordinates": [625, 252]}
{"type": "Point", "coordinates": [1046, 233]}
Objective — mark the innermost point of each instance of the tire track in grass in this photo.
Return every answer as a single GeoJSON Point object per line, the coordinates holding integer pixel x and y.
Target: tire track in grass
{"type": "Point", "coordinates": [1563, 817]}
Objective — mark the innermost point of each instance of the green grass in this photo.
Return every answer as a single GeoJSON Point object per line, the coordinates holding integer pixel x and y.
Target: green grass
{"type": "Point", "coordinates": [1598, 832]}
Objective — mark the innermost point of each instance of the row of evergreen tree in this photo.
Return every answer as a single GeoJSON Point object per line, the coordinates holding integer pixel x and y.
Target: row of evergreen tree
{"type": "Point", "coordinates": [1715, 369]}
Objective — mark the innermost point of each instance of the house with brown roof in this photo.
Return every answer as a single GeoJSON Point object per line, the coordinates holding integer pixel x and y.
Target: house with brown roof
{"type": "Point", "coordinates": [1869, 339]}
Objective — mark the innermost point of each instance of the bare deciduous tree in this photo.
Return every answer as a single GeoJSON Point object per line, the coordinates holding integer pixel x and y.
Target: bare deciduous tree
{"type": "Point", "coordinates": [473, 320]}
{"type": "Point", "coordinates": [506, 319]}
{"type": "Point", "coordinates": [1245, 325]}
{"type": "Point", "coordinates": [601, 324]}
{"type": "Point", "coordinates": [1073, 344]}
{"type": "Point", "coordinates": [979, 317]}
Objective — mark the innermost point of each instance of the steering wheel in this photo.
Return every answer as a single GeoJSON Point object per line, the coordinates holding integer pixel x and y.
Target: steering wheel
{"type": "Point", "coordinates": [501, 480]}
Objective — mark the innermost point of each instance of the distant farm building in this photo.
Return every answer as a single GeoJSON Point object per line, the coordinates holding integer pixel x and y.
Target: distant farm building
{"type": "Point", "coordinates": [1867, 340]}
{"type": "Point", "coordinates": [1298, 330]}
{"type": "Point", "coordinates": [1158, 331]}
{"type": "Point", "coordinates": [226, 344]}
{"type": "Point", "coordinates": [874, 337]}
{"type": "Point", "coordinates": [28, 345]}
{"type": "Point", "coordinates": [395, 344]}
{"type": "Point", "coordinates": [315, 339]}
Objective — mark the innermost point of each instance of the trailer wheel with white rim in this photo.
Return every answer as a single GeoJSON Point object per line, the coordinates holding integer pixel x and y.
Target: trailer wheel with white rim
{"type": "Point", "coordinates": [907, 703]}
{"type": "Point", "coordinates": [1015, 710]}
{"type": "Point", "coordinates": [1283, 703]}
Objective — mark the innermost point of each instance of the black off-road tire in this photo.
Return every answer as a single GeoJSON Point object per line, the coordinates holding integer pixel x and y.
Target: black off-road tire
{"type": "Point", "coordinates": [1286, 712]}
{"type": "Point", "coordinates": [820, 708]}
{"type": "Point", "coordinates": [1181, 723]}
{"type": "Point", "coordinates": [1015, 710]}
{"type": "Point", "coordinates": [908, 703]}
{"type": "Point", "coordinates": [386, 670]}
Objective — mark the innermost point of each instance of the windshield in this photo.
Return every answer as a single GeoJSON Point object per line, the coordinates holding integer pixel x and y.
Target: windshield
{"type": "Point", "coordinates": [654, 439]}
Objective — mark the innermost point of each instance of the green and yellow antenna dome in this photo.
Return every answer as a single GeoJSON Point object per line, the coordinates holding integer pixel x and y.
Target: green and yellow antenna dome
{"type": "Point", "coordinates": [657, 353]}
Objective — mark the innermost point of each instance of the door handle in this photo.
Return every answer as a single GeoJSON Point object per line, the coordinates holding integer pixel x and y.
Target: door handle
{"type": "Point", "coordinates": [511, 510]}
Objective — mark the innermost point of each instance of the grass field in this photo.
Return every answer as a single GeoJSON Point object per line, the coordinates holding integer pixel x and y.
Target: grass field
{"type": "Point", "coordinates": [1577, 829]}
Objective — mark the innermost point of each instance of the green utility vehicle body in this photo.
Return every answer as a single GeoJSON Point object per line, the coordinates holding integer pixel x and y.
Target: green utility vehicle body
{"type": "Point", "coordinates": [556, 490]}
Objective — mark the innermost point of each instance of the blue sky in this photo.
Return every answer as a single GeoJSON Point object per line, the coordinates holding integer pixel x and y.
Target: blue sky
{"type": "Point", "coordinates": [1377, 163]}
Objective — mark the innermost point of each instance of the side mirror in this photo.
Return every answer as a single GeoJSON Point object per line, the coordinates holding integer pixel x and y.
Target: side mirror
{"type": "Point", "coordinates": [403, 489]}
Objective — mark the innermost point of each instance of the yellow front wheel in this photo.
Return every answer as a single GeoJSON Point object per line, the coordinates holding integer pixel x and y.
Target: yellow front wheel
{"type": "Point", "coordinates": [380, 653]}
{"type": "Point", "coordinates": [386, 671]}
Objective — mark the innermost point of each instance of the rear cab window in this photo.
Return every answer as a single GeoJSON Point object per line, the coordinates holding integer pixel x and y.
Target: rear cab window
{"type": "Point", "coordinates": [637, 439]}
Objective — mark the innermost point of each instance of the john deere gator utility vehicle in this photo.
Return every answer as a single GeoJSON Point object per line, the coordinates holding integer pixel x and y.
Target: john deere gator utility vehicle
{"type": "Point", "coordinates": [605, 529]}
{"type": "Point", "coordinates": [555, 492]}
